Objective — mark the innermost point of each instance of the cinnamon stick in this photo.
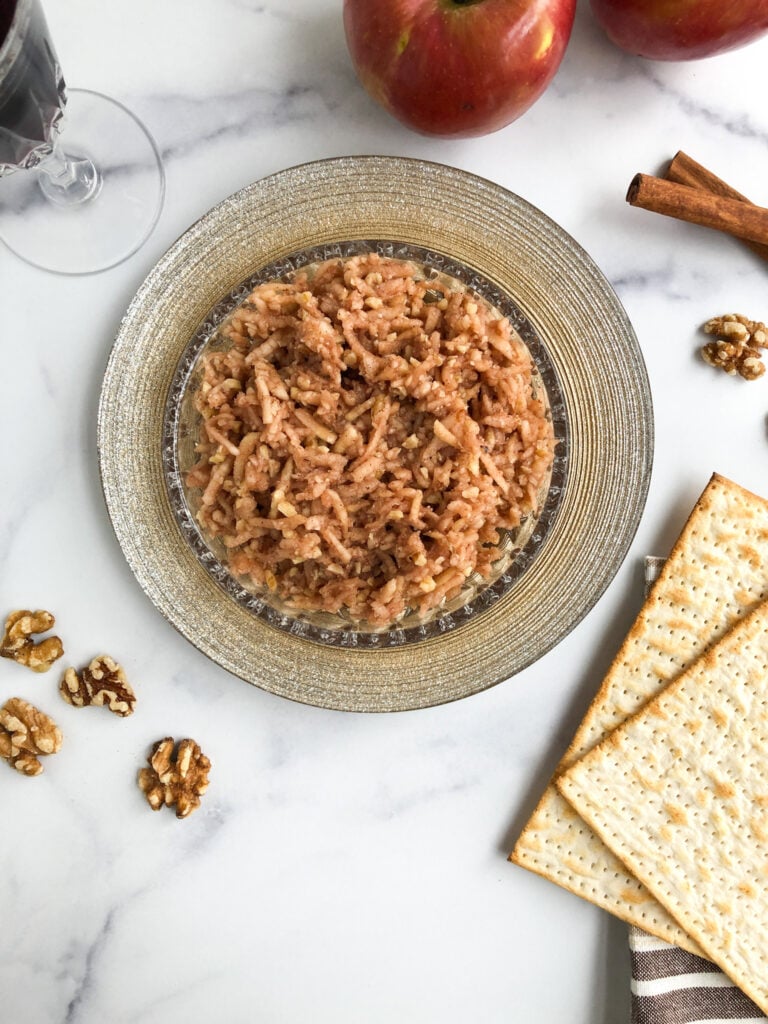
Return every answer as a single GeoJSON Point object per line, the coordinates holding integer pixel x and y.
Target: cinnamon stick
{"type": "Point", "coordinates": [686, 171]}
{"type": "Point", "coordinates": [733, 216]}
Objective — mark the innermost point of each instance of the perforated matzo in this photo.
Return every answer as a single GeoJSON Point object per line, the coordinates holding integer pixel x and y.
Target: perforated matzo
{"type": "Point", "coordinates": [716, 573]}
{"type": "Point", "coordinates": [680, 793]}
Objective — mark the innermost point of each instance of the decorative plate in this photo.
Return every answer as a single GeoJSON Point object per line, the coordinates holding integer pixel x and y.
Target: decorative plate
{"type": "Point", "coordinates": [586, 354]}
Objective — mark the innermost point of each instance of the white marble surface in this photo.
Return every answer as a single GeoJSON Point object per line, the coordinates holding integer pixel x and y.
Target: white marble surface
{"type": "Point", "coordinates": [343, 868]}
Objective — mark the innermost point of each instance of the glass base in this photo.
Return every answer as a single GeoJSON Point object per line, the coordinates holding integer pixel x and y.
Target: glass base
{"type": "Point", "coordinates": [108, 224]}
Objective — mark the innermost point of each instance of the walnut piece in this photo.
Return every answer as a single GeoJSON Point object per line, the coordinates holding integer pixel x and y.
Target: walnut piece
{"type": "Point", "coordinates": [179, 779]}
{"type": "Point", "coordinates": [25, 734]}
{"type": "Point", "coordinates": [739, 344]}
{"type": "Point", "coordinates": [102, 682]}
{"type": "Point", "coordinates": [733, 358]}
{"type": "Point", "coordinates": [17, 641]}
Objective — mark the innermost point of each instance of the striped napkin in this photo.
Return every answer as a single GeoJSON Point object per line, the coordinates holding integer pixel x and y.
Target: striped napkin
{"type": "Point", "coordinates": [671, 985]}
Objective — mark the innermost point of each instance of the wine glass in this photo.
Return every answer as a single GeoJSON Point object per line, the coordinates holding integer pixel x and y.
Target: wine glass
{"type": "Point", "coordinates": [83, 202]}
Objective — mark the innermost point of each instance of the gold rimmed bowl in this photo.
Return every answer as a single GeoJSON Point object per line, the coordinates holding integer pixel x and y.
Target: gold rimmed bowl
{"type": "Point", "coordinates": [549, 573]}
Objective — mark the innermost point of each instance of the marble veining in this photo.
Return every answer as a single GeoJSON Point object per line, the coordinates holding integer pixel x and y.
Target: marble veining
{"type": "Point", "coordinates": [342, 868]}
{"type": "Point", "coordinates": [225, 118]}
{"type": "Point", "coordinates": [745, 124]}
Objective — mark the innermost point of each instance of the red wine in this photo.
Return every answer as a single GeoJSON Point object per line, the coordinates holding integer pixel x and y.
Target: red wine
{"type": "Point", "coordinates": [32, 91]}
{"type": "Point", "coordinates": [7, 11]}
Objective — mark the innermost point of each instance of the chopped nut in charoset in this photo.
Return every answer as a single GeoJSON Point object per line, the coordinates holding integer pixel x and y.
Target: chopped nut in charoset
{"type": "Point", "coordinates": [738, 345]}
{"type": "Point", "coordinates": [101, 683]}
{"type": "Point", "coordinates": [17, 643]}
{"type": "Point", "coordinates": [179, 779]}
{"type": "Point", "coordinates": [26, 733]}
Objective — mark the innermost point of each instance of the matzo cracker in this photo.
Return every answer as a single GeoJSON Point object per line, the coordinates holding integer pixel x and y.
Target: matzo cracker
{"type": "Point", "coordinates": [716, 573]}
{"type": "Point", "coordinates": [680, 794]}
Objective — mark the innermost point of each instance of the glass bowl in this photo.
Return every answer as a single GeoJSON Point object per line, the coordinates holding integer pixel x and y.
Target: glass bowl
{"type": "Point", "coordinates": [518, 548]}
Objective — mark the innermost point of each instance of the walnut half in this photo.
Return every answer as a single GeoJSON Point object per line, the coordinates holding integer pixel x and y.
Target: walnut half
{"type": "Point", "coordinates": [738, 344]}
{"type": "Point", "coordinates": [25, 734]}
{"type": "Point", "coordinates": [179, 778]}
{"type": "Point", "coordinates": [17, 643]}
{"type": "Point", "coordinates": [102, 682]}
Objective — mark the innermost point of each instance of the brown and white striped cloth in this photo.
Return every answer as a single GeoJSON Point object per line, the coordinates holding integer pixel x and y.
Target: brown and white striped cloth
{"type": "Point", "coordinates": [671, 985]}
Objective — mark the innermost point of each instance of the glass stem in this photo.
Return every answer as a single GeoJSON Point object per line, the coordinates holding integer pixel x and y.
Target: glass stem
{"type": "Point", "coordinates": [68, 180]}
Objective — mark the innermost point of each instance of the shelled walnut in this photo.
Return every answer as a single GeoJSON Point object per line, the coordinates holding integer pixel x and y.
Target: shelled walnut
{"type": "Point", "coordinates": [738, 345]}
{"type": "Point", "coordinates": [17, 642]}
{"type": "Point", "coordinates": [102, 682]}
{"type": "Point", "coordinates": [179, 779]}
{"type": "Point", "coordinates": [26, 733]}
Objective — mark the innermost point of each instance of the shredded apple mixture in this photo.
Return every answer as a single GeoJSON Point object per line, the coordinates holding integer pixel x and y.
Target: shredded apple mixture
{"type": "Point", "coordinates": [365, 436]}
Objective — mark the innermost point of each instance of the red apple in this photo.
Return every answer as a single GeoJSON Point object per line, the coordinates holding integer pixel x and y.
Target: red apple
{"type": "Point", "coordinates": [681, 29]}
{"type": "Point", "coordinates": [457, 68]}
